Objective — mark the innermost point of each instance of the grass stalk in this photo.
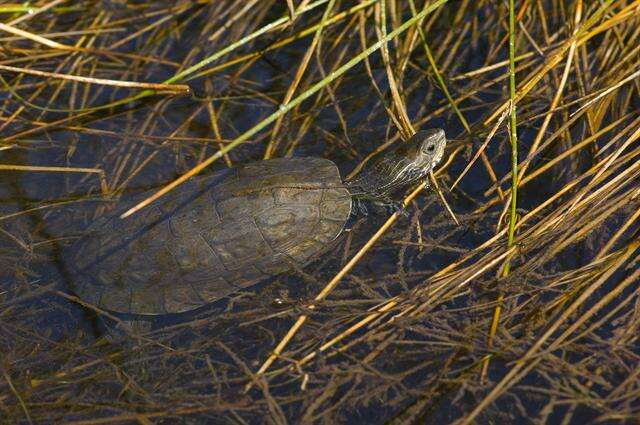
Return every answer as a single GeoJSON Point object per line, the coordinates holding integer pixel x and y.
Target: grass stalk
{"type": "Point", "coordinates": [412, 309]}
{"type": "Point", "coordinates": [513, 139]}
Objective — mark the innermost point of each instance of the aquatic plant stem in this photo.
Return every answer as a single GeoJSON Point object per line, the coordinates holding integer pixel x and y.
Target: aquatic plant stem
{"type": "Point", "coordinates": [406, 129]}
{"type": "Point", "coordinates": [436, 71]}
{"type": "Point", "coordinates": [158, 87]}
{"type": "Point", "coordinates": [15, 392]}
{"type": "Point", "coordinates": [452, 102]}
{"type": "Point", "coordinates": [32, 168]}
{"type": "Point", "coordinates": [513, 137]}
{"type": "Point", "coordinates": [513, 128]}
{"type": "Point", "coordinates": [302, 67]}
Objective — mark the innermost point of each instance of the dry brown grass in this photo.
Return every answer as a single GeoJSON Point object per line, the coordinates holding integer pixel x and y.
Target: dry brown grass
{"type": "Point", "coordinates": [403, 334]}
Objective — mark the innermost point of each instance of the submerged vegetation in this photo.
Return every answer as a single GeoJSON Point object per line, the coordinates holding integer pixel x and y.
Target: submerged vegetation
{"type": "Point", "coordinates": [527, 310]}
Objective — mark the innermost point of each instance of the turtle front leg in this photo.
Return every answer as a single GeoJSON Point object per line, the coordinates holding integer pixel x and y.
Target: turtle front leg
{"type": "Point", "coordinates": [360, 207]}
{"type": "Point", "coordinates": [358, 210]}
{"type": "Point", "coordinates": [393, 206]}
{"type": "Point", "coordinates": [390, 206]}
{"type": "Point", "coordinates": [383, 206]}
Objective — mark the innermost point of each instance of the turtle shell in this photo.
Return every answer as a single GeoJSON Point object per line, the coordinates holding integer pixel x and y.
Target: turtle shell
{"type": "Point", "coordinates": [212, 236]}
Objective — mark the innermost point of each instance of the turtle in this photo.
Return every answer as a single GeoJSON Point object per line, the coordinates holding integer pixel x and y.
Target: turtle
{"type": "Point", "coordinates": [220, 233]}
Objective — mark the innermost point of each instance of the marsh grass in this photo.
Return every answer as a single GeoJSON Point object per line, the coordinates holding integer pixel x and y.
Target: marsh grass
{"type": "Point", "coordinates": [526, 311]}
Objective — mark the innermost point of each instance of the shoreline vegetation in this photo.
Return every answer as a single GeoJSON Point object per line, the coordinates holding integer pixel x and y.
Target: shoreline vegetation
{"type": "Point", "coordinates": [507, 293]}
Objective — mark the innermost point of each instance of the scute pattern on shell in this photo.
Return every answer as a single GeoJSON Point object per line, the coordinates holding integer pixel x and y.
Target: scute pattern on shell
{"type": "Point", "coordinates": [212, 236]}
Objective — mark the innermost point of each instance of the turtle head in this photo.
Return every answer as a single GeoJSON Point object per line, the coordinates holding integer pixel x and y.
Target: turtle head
{"type": "Point", "coordinates": [402, 165]}
{"type": "Point", "coordinates": [422, 152]}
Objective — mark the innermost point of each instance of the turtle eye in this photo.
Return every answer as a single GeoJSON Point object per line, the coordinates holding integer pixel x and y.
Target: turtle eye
{"type": "Point", "coordinates": [430, 148]}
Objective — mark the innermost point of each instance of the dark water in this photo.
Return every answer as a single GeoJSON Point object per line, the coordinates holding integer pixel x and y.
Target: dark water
{"type": "Point", "coordinates": [205, 356]}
